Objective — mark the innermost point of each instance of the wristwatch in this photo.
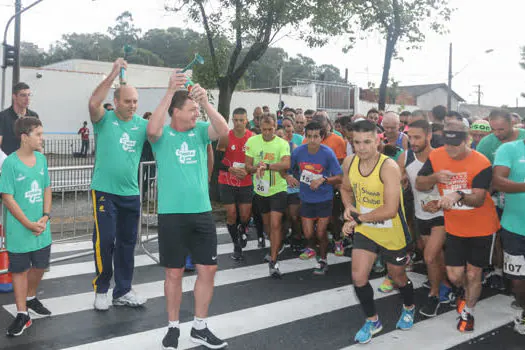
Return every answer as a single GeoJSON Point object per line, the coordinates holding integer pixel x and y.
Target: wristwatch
{"type": "Point", "coordinates": [461, 195]}
{"type": "Point", "coordinates": [46, 214]}
{"type": "Point", "coordinates": [267, 166]}
{"type": "Point", "coordinates": [325, 179]}
{"type": "Point", "coordinates": [355, 216]}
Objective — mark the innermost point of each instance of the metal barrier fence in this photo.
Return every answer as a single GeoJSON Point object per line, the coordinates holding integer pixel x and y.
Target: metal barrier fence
{"type": "Point", "coordinates": [68, 152]}
{"type": "Point", "coordinates": [149, 206]}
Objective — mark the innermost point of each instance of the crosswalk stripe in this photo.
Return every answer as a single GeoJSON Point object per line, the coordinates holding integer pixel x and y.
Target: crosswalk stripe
{"type": "Point", "coordinates": [253, 319]}
{"type": "Point", "coordinates": [440, 332]}
{"type": "Point", "coordinates": [74, 269]}
{"type": "Point", "coordinates": [85, 245]}
{"type": "Point", "coordinates": [84, 301]}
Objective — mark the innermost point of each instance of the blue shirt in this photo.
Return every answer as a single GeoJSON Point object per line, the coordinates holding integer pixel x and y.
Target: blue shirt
{"type": "Point", "coordinates": [307, 167]}
{"type": "Point", "coordinates": [512, 155]}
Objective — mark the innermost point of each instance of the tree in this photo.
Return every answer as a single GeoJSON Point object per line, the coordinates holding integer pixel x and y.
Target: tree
{"type": "Point", "coordinates": [400, 21]}
{"type": "Point", "coordinates": [95, 46]}
{"type": "Point", "coordinates": [31, 55]}
{"type": "Point", "coordinates": [328, 72]}
{"type": "Point", "coordinates": [253, 26]}
{"type": "Point", "coordinates": [124, 32]}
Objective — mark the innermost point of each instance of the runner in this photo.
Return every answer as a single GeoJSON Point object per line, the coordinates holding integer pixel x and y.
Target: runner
{"type": "Point", "coordinates": [266, 156]}
{"type": "Point", "coordinates": [392, 135]}
{"type": "Point", "coordinates": [379, 224]}
{"type": "Point", "coordinates": [235, 185]}
{"type": "Point", "coordinates": [509, 172]}
{"type": "Point", "coordinates": [120, 135]}
{"type": "Point", "coordinates": [429, 220]}
{"type": "Point", "coordinates": [502, 132]}
{"type": "Point", "coordinates": [463, 177]}
{"type": "Point", "coordinates": [318, 170]}
{"type": "Point", "coordinates": [186, 223]}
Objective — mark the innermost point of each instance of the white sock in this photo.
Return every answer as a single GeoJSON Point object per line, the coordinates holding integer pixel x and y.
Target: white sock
{"type": "Point", "coordinates": [23, 312]}
{"type": "Point", "coordinates": [498, 272]}
{"type": "Point", "coordinates": [173, 324]}
{"type": "Point", "coordinates": [469, 310]}
{"type": "Point", "coordinates": [199, 323]}
{"type": "Point", "coordinates": [30, 298]}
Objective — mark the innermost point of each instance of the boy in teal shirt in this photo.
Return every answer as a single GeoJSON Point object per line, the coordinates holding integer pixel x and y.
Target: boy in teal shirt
{"type": "Point", "coordinates": [26, 194]}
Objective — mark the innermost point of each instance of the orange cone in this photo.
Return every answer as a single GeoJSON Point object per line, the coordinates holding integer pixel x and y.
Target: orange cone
{"type": "Point", "coordinates": [6, 282]}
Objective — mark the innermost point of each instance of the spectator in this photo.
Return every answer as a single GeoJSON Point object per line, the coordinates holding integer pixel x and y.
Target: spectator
{"type": "Point", "coordinates": [21, 98]}
{"type": "Point", "coordinates": [84, 136]}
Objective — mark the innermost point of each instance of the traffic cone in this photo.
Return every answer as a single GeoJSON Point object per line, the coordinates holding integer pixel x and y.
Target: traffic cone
{"type": "Point", "coordinates": [6, 282]}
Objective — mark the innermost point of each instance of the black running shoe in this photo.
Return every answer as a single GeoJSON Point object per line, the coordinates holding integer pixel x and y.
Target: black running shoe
{"type": "Point", "coordinates": [261, 242]}
{"type": "Point", "coordinates": [18, 326]}
{"type": "Point", "coordinates": [36, 307]}
{"type": "Point", "coordinates": [207, 338]}
{"type": "Point", "coordinates": [426, 284]}
{"type": "Point", "coordinates": [274, 270]}
{"type": "Point", "coordinates": [496, 282]}
{"type": "Point", "coordinates": [431, 307]}
{"type": "Point", "coordinates": [171, 339]}
{"type": "Point", "coordinates": [237, 254]}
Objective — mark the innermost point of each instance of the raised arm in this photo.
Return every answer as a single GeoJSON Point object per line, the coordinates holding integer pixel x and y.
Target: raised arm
{"type": "Point", "coordinates": [218, 126]}
{"type": "Point", "coordinates": [158, 118]}
{"type": "Point", "coordinates": [96, 111]}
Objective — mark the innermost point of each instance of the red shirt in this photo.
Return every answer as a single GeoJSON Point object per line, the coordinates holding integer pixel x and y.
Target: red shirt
{"type": "Point", "coordinates": [84, 132]}
{"type": "Point", "coordinates": [235, 157]}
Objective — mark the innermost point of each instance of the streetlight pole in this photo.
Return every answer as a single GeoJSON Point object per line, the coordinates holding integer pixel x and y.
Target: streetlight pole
{"type": "Point", "coordinates": [449, 92]}
{"type": "Point", "coordinates": [16, 66]}
{"type": "Point", "coordinates": [17, 14]}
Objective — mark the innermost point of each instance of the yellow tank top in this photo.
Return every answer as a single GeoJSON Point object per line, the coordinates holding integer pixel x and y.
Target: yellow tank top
{"type": "Point", "coordinates": [392, 234]}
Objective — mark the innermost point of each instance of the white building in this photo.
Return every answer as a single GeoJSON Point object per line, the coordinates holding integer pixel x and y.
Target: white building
{"type": "Point", "coordinates": [430, 95]}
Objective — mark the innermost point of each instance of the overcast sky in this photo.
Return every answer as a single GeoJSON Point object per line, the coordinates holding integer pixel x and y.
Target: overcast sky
{"type": "Point", "coordinates": [476, 26]}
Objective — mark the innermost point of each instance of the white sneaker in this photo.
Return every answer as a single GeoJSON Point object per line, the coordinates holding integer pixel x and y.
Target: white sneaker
{"type": "Point", "coordinates": [101, 302]}
{"type": "Point", "coordinates": [130, 299]}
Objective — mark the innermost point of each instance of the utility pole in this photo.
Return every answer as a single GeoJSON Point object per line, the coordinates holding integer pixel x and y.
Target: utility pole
{"type": "Point", "coordinates": [16, 67]}
{"type": "Point", "coordinates": [280, 86]}
{"type": "Point", "coordinates": [479, 93]}
{"type": "Point", "coordinates": [449, 94]}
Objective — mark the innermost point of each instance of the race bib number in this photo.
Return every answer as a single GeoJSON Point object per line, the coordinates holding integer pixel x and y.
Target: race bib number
{"type": "Point", "coordinates": [377, 224]}
{"type": "Point", "coordinates": [459, 205]}
{"type": "Point", "coordinates": [262, 186]}
{"type": "Point", "coordinates": [239, 165]}
{"type": "Point", "coordinates": [514, 264]}
{"type": "Point", "coordinates": [307, 177]}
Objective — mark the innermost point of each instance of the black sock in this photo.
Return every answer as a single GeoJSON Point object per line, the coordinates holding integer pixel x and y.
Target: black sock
{"type": "Point", "coordinates": [232, 229]}
{"type": "Point", "coordinates": [365, 294]}
{"type": "Point", "coordinates": [407, 292]}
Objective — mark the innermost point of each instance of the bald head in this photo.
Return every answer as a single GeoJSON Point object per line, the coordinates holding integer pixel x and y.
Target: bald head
{"type": "Point", "coordinates": [124, 90]}
{"type": "Point", "coordinates": [391, 117]}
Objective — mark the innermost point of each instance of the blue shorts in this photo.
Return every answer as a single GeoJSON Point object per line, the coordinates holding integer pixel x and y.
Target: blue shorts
{"type": "Point", "coordinates": [316, 210]}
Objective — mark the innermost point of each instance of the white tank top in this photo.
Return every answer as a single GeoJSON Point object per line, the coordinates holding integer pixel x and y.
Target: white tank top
{"type": "Point", "coordinates": [412, 167]}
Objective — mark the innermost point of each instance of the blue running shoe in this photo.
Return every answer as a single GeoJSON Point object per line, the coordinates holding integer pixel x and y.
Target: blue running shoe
{"type": "Point", "coordinates": [406, 321]}
{"type": "Point", "coordinates": [444, 294]}
{"type": "Point", "coordinates": [368, 330]}
{"type": "Point", "coordinates": [189, 264]}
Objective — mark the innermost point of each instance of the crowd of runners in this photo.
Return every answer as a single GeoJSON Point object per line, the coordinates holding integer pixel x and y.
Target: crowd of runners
{"type": "Point", "coordinates": [387, 189]}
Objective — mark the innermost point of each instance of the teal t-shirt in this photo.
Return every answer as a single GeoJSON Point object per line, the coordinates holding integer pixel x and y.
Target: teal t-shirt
{"type": "Point", "coordinates": [512, 156]}
{"type": "Point", "coordinates": [337, 133]}
{"type": "Point", "coordinates": [297, 139]}
{"type": "Point", "coordinates": [490, 144]}
{"type": "Point", "coordinates": [118, 149]}
{"type": "Point", "coordinates": [182, 170]}
{"type": "Point", "coordinates": [27, 185]}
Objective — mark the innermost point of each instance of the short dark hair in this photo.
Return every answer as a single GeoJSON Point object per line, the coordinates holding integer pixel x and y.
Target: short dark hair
{"type": "Point", "coordinates": [106, 105]}
{"type": "Point", "coordinates": [240, 111]}
{"type": "Point", "coordinates": [268, 118]}
{"type": "Point", "coordinates": [309, 112]}
{"type": "Point", "coordinates": [421, 124]}
{"type": "Point", "coordinates": [364, 126]}
{"type": "Point", "coordinates": [500, 113]}
{"type": "Point", "coordinates": [344, 121]}
{"type": "Point", "coordinates": [420, 113]}
{"type": "Point", "coordinates": [437, 127]}
{"type": "Point", "coordinates": [372, 110]}
{"type": "Point", "coordinates": [85, 122]}
{"type": "Point", "coordinates": [454, 114]}
{"type": "Point", "coordinates": [315, 126]}
{"type": "Point", "coordinates": [405, 114]}
{"type": "Point", "coordinates": [19, 87]}
{"type": "Point", "coordinates": [178, 100]}
{"type": "Point", "coordinates": [25, 125]}
{"type": "Point", "coordinates": [439, 112]}
{"type": "Point", "coordinates": [147, 115]}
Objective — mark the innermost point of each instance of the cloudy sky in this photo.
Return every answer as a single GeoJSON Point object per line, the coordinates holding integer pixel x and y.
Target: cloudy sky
{"type": "Point", "coordinates": [476, 26]}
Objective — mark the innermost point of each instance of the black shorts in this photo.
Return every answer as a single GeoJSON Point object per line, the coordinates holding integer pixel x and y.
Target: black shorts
{"type": "Point", "coordinates": [21, 262]}
{"type": "Point", "coordinates": [278, 202]}
{"type": "Point", "coordinates": [316, 210]}
{"type": "Point", "coordinates": [183, 234]}
{"type": "Point", "coordinates": [394, 257]}
{"type": "Point", "coordinates": [513, 254]}
{"type": "Point", "coordinates": [476, 251]}
{"type": "Point", "coordinates": [424, 227]}
{"type": "Point", "coordinates": [293, 199]}
{"type": "Point", "coordinates": [235, 195]}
